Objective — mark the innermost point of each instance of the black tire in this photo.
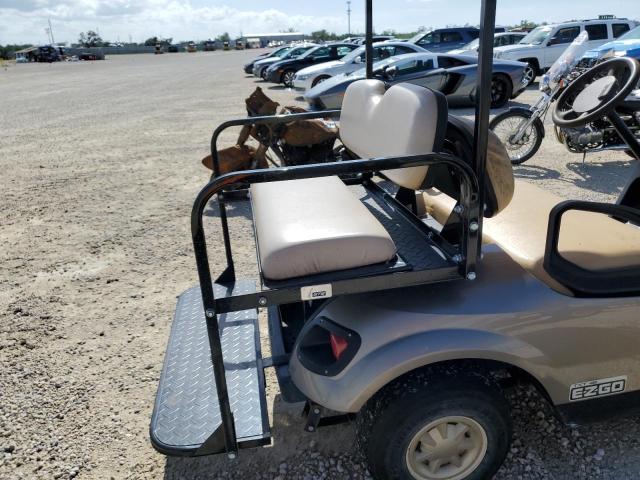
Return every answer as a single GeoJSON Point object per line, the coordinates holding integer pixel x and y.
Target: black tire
{"type": "Point", "coordinates": [390, 422]}
{"type": "Point", "coordinates": [287, 78]}
{"type": "Point", "coordinates": [263, 74]}
{"type": "Point", "coordinates": [501, 90]}
{"type": "Point", "coordinates": [319, 79]}
{"type": "Point", "coordinates": [500, 126]}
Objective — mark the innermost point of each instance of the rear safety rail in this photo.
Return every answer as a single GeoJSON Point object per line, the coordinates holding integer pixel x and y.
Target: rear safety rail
{"type": "Point", "coordinates": [225, 298]}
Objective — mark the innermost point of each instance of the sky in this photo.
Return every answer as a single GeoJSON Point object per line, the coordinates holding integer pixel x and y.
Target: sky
{"type": "Point", "coordinates": [24, 21]}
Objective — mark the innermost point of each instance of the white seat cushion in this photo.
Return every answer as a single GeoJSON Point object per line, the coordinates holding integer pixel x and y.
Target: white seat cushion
{"type": "Point", "coordinates": [404, 120]}
{"type": "Point", "coordinates": [316, 225]}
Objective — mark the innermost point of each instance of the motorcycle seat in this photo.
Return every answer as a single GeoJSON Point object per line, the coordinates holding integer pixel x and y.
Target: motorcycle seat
{"type": "Point", "coordinates": [317, 225]}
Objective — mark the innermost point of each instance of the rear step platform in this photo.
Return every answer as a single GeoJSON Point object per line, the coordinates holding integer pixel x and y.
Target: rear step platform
{"type": "Point", "coordinates": [186, 417]}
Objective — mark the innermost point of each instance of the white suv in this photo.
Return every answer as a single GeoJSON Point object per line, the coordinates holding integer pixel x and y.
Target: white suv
{"type": "Point", "coordinates": [543, 45]}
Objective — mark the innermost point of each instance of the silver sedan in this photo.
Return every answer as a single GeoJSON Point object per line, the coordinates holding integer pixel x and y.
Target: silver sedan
{"type": "Point", "coordinates": [309, 77]}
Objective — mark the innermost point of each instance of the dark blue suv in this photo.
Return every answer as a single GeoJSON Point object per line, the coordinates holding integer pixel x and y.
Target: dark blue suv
{"type": "Point", "coordinates": [445, 39]}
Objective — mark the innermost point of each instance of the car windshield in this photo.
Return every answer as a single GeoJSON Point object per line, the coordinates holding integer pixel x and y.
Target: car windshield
{"type": "Point", "coordinates": [295, 52]}
{"type": "Point", "coordinates": [536, 36]}
{"type": "Point", "coordinates": [417, 37]}
{"type": "Point", "coordinates": [376, 67]}
{"type": "Point", "coordinates": [311, 51]}
{"type": "Point", "coordinates": [473, 45]}
{"type": "Point", "coordinates": [631, 35]}
{"type": "Point", "coordinates": [281, 52]}
{"type": "Point", "coordinates": [353, 55]}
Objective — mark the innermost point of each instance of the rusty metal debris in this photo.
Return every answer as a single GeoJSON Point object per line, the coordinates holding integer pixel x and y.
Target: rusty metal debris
{"type": "Point", "coordinates": [295, 143]}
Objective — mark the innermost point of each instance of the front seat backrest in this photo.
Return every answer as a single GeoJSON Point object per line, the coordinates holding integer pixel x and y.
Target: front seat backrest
{"type": "Point", "coordinates": [498, 181]}
{"type": "Point", "coordinates": [406, 119]}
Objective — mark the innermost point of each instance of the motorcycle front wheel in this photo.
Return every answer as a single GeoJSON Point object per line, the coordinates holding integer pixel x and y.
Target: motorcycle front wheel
{"type": "Point", "coordinates": [506, 124]}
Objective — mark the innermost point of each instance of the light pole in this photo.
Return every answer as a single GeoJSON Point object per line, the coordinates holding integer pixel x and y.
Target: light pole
{"type": "Point", "coordinates": [349, 17]}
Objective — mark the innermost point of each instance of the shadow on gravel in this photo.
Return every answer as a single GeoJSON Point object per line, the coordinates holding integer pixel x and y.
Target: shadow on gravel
{"type": "Point", "coordinates": [542, 448]}
{"type": "Point", "coordinates": [534, 172]}
{"type": "Point", "coordinates": [601, 177]}
{"type": "Point", "coordinates": [293, 453]}
{"type": "Point", "coordinates": [237, 206]}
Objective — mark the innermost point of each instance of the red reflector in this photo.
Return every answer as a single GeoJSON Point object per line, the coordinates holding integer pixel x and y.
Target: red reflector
{"type": "Point", "coordinates": [338, 345]}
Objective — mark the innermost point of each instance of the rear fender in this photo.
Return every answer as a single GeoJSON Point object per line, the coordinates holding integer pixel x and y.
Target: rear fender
{"type": "Point", "coordinates": [369, 372]}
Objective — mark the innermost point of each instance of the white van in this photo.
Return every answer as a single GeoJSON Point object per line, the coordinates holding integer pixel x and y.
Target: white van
{"type": "Point", "coordinates": [544, 44]}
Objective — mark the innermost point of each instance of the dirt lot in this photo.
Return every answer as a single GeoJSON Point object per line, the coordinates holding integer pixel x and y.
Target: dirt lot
{"type": "Point", "coordinates": [100, 165]}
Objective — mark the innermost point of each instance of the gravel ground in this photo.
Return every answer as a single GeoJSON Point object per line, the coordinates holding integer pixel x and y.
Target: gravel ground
{"type": "Point", "coordinates": [100, 165]}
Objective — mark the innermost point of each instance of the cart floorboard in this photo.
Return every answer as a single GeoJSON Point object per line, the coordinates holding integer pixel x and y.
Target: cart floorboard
{"type": "Point", "coordinates": [186, 412]}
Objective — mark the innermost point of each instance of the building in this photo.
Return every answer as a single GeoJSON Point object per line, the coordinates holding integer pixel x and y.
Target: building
{"type": "Point", "coordinates": [260, 40]}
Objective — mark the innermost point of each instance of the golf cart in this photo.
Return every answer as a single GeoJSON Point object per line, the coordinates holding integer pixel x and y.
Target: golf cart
{"type": "Point", "coordinates": [391, 299]}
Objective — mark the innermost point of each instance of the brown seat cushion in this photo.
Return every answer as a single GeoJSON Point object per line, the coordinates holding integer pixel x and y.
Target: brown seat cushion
{"type": "Point", "coordinates": [591, 241]}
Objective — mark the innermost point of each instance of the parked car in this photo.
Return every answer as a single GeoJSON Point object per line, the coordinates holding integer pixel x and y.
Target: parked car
{"type": "Point", "coordinates": [499, 40]}
{"type": "Point", "coordinates": [628, 45]}
{"type": "Point", "coordinates": [248, 67]}
{"type": "Point", "coordinates": [260, 66]}
{"type": "Point", "coordinates": [284, 70]}
{"type": "Point", "coordinates": [544, 44]}
{"type": "Point", "coordinates": [453, 75]}
{"type": "Point", "coordinates": [445, 39]}
{"type": "Point", "coordinates": [309, 77]}
{"type": "Point", "coordinates": [375, 38]}
{"type": "Point", "coordinates": [90, 56]}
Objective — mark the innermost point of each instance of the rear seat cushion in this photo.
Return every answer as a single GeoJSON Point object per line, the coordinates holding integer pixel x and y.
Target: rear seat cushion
{"type": "Point", "coordinates": [405, 120]}
{"type": "Point", "coordinates": [315, 225]}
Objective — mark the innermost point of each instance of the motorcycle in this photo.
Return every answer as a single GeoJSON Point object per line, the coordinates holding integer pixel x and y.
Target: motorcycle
{"type": "Point", "coordinates": [522, 129]}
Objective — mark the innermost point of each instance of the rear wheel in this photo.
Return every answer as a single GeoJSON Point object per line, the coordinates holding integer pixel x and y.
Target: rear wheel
{"type": "Point", "coordinates": [436, 426]}
{"type": "Point", "coordinates": [263, 74]}
{"type": "Point", "coordinates": [501, 90]}
{"type": "Point", "coordinates": [506, 124]}
{"type": "Point", "coordinates": [319, 80]}
{"type": "Point", "coordinates": [287, 78]}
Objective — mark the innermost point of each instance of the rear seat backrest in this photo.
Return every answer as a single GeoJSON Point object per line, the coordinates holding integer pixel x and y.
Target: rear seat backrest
{"type": "Point", "coordinates": [405, 120]}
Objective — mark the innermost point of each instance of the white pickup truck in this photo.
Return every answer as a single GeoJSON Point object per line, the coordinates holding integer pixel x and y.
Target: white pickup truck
{"type": "Point", "coordinates": [543, 45]}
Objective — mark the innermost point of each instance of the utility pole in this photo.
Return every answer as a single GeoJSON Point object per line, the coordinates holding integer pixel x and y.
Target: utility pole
{"type": "Point", "coordinates": [349, 17]}
{"type": "Point", "coordinates": [53, 42]}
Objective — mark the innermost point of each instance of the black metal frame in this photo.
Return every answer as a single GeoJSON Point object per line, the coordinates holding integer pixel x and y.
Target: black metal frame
{"type": "Point", "coordinates": [471, 198]}
{"type": "Point", "coordinates": [214, 306]}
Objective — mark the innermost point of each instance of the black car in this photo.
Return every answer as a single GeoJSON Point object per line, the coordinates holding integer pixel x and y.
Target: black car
{"type": "Point", "coordinates": [284, 70]}
{"type": "Point", "coordinates": [248, 68]}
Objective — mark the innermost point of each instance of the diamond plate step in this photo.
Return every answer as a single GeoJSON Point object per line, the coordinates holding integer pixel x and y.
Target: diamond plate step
{"type": "Point", "coordinates": [186, 411]}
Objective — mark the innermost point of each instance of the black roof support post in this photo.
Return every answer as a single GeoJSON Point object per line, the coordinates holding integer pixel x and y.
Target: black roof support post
{"type": "Point", "coordinates": [368, 40]}
{"type": "Point", "coordinates": [483, 101]}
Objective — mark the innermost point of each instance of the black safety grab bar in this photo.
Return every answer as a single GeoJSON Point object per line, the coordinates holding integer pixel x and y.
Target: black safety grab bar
{"type": "Point", "coordinates": [260, 120]}
{"type": "Point", "coordinates": [469, 244]}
